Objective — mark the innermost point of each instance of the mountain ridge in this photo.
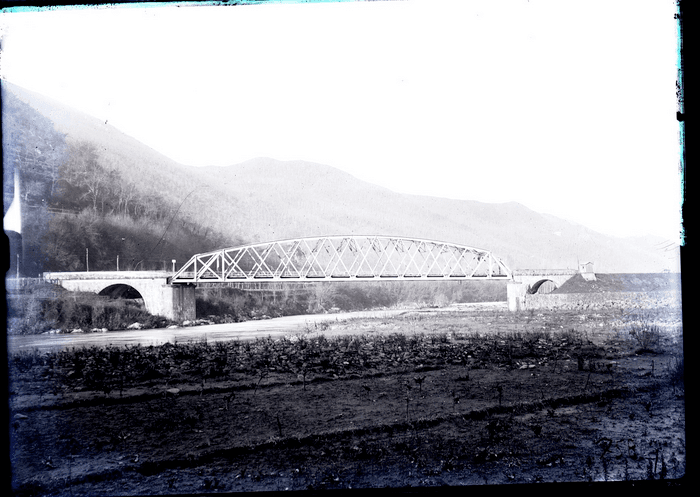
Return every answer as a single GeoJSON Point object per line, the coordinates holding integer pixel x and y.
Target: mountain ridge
{"type": "Point", "coordinates": [264, 199]}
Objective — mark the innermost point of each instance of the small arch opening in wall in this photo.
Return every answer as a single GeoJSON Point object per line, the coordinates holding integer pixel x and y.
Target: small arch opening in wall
{"type": "Point", "coordinates": [122, 291]}
{"type": "Point", "coordinates": [543, 287]}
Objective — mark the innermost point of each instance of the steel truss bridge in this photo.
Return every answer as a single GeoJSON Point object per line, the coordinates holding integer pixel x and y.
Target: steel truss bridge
{"type": "Point", "coordinates": [342, 258]}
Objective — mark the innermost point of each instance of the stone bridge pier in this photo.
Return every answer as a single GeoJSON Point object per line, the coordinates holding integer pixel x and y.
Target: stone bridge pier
{"type": "Point", "coordinates": [175, 302]}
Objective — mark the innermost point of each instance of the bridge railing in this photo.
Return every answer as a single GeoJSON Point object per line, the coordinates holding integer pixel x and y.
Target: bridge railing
{"type": "Point", "coordinates": [342, 258]}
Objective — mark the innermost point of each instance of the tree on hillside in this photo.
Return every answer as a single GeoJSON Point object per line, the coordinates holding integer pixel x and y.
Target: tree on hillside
{"type": "Point", "coordinates": [84, 170]}
{"type": "Point", "coordinates": [126, 193]}
{"type": "Point", "coordinates": [122, 195]}
{"type": "Point", "coordinates": [63, 244]}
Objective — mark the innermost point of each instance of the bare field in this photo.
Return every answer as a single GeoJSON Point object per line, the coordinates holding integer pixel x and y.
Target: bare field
{"type": "Point", "coordinates": [422, 399]}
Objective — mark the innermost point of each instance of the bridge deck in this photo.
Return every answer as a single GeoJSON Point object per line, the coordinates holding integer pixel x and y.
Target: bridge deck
{"type": "Point", "coordinates": [544, 272]}
{"type": "Point", "coordinates": [188, 277]}
{"type": "Point", "coordinates": [106, 275]}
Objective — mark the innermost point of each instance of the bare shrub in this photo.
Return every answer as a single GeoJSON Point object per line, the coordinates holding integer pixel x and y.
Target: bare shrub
{"type": "Point", "coordinates": [646, 335]}
{"type": "Point", "coordinates": [643, 329]}
{"type": "Point", "coordinates": [677, 373]}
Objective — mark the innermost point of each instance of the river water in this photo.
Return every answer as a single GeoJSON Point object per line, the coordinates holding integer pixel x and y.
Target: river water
{"type": "Point", "coordinates": [248, 330]}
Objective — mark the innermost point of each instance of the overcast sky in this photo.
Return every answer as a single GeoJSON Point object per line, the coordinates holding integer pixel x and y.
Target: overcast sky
{"type": "Point", "coordinates": [566, 107]}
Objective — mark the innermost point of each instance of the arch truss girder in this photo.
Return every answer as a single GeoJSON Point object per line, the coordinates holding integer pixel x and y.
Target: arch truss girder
{"type": "Point", "coordinates": [343, 258]}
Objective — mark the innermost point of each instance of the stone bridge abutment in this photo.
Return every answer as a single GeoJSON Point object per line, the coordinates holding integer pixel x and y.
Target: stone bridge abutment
{"type": "Point", "coordinates": [175, 302]}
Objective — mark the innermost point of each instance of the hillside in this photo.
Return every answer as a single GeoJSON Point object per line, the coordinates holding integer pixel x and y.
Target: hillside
{"type": "Point", "coordinates": [264, 199]}
{"type": "Point", "coordinates": [290, 199]}
{"type": "Point", "coordinates": [89, 201]}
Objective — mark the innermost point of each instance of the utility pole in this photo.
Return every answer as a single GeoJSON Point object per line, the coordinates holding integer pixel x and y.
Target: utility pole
{"type": "Point", "coordinates": [119, 251]}
{"type": "Point", "coordinates": [87, 261]}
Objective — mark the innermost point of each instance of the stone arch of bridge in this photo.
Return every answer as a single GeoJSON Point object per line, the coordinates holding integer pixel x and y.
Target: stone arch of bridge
{"type": "Point", "coordinates": [175, 302]}
{"type": "Point", "coordinates": [120, 291]}
{"type": "Point", "coordinates": [159, 298]}
{"type": "Point", "coordinates": [147, 291]}
{"type": "Point", "coordinates": [546, 285]}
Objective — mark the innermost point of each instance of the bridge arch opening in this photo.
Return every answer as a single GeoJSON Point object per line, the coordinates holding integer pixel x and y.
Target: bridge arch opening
{"type": "Point", "coordinates": [121, 291]}
{"type": "Point", "coordinates": [543, 287]}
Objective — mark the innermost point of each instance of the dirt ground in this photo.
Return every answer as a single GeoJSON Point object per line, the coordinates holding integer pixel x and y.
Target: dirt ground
{"type": "Point", "coordinates": [594, 408]}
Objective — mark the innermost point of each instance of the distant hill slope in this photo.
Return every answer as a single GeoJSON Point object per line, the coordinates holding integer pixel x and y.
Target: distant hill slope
{"type": "Point", "coordinates": [264, 199]}
{"type": "Point", "coordinates": [290, 199]}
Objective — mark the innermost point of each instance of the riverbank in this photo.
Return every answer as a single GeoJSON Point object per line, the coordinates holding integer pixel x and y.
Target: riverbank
{"type": "Point", "coordinates": [41, 307]}
{"type": "Point", "coordinates": [206, 330]}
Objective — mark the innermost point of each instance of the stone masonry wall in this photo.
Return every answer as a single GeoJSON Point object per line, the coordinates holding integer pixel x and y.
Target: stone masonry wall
{"type": "Point", "coordinates": [606, 300]}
